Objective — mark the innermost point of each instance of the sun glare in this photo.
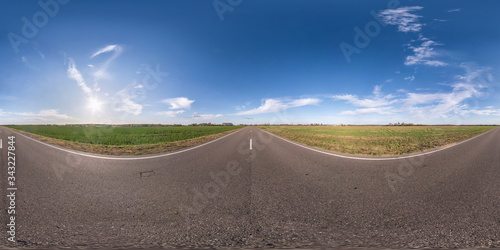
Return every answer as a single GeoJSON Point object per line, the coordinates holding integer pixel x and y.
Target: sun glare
{"type": "Point", "coordinates": [94, 105]}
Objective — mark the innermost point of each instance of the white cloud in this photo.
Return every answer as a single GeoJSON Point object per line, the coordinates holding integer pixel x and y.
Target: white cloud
{"type": "Point", "coordinates": [423, 54]}
{"type": "Point", "coordinates": [46, 113]}
{"type": "Point", "coordinates": [129, 106]}
{"type": "Point", "coordinates": [178, 102]}
{"type": "Point", "coordinates": [455, 10]}
{"type": "Point", "coordinates": [275, 105]}
{"type": "Point", "coordinates": [101, 71]}
{"type": "Point", "coordinates": [378, 110]}
{"type": "Point", "coordinates": [410, 78]}
{"type": "Point", "coordinates": [170, 113]}
{"type": "Point", "coordinates": [108, 48]}
{"type": "Point", "coordinates": [74, 74]}
{"type": "Point", "coordinates": [406, 21]}
{"type": "Point", "coordinates": [240, 107]}
{"type": "Point", "coordinates": [481, 112]}
{"type": "Point", "coordinates": [424, 106]}
{"type": "Point", "coordinates": [205, 116]}
{"type": "Point", "coordinates": [122, 101]}
{"type": "Point", "coordinates": [53, 113]}
{"type": "Point", "coordinates": [376, 100]}
{"type": "Point", "coordinates": [27, 63]}
{"type": "Point", "coordinates": [303, 102]}
{"type": "Point", "coordinates": [475, 74]}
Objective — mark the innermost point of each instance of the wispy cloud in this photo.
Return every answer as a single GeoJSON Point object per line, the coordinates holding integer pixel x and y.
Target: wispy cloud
{"type": "Point", "coordinates": [124, 102]}
{"type": "Point", "coordinates": [378, 110]}
{"type": "Point", "coordinates": [424, 54]}
{"type": "Point", "coordinates": [406, 21]}
{"type": "Point", "coordinates": [74, 74]}
{"type": "Point", "coordinates": [403, 18]}
{"type": "Point", "coordinates": [376, 100]}
{"type": "Point", "coordinates": [108, 48]}
{"type": "Point", "coordinates": [170, 113]}
{"type": "Point", "coordinates": [455, 10]}
{"type": "Point", "coordinates": [240, 107]}
{"type": "Point", "coordinates": [481, 112]}
{"type": "Point", "coordinates": [275, 105]}
{"type": "Point", "coordinates": [27, 63]}
{"type": "Point", "coordinates": [471, 84]}
{"type": "Point", "coordinates": [178, 102]}
{"type": "Point", "coordinates": [205, 116]}
{"type": "Point", "coordinates": [410, 78]}
{"type": "Point", "coordinates": [101, 71]}
{"type": "Point", "coordinates": [424, 105]}
{"type": "Point", "coordinates": [46, 113]}
{"type": "Point", "coordinates": [53, 113]}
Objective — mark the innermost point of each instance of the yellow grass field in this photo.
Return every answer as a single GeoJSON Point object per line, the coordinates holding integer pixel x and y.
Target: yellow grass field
{"type": "Point", "coordinates": [377, 140]}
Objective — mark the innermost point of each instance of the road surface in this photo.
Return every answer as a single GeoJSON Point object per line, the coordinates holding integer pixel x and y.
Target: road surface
{"type": "Point", "coordinates": [275, 194]}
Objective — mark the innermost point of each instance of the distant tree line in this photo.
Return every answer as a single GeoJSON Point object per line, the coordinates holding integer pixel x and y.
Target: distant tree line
{"type": "Point", "coordinates": [404, 124]}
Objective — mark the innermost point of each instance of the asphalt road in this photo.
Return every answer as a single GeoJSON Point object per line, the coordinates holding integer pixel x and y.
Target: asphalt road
{"type": "Point", "coordinates": [276, 194]}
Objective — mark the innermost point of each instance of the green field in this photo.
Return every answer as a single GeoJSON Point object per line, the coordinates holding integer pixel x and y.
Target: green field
{"type": "Point", "coordinates": [377, 140]}
{"type": "Point", "coordinates": [104, 135]}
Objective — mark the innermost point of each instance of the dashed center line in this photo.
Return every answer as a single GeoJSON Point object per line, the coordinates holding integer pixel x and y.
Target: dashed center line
{"type": "Point", "coordinates": [250, 144]}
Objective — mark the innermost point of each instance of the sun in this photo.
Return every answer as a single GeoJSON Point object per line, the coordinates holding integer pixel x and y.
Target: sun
{"type": "Point", "coordinates": [94, 105]}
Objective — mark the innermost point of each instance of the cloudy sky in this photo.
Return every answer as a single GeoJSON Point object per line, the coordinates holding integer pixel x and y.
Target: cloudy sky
{"type": "Point", "coordinates": [249, 61]}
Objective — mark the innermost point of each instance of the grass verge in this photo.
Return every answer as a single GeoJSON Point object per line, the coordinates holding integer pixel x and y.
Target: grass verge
{"type": "Point", "coordinates": [377, 140]}
{"type": "Point", "coordinates": [165, 144]}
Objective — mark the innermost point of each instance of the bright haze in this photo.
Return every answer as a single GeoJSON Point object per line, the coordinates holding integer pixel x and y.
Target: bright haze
{"type": "Point", "coordinates": [249, 61]}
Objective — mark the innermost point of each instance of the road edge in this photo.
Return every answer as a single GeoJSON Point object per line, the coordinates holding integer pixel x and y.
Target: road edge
{"type": "Point", "coordinates": [371, 158]}
{"type": "Point", "coordinates": [124, 157]}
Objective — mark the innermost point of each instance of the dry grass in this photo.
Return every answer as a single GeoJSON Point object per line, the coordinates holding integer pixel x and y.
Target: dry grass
{"type": "Point", "coordinates": [377, 140]}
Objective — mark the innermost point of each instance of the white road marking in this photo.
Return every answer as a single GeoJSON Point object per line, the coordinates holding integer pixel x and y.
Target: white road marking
{"type": "Point", "coordinates": [376, 159]}
{"type": "Point", "coordinates": [1, 144]}
{"type": "Point", "coordinates": [124, 158]}
{"type": "Point", "coordinates": [250, 144]}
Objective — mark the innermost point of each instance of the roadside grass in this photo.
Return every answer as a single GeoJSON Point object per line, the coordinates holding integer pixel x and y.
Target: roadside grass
{"type": "Point", "coordinates": [125, 140]}
{"type": "Point", "coordinates": [377, 140]}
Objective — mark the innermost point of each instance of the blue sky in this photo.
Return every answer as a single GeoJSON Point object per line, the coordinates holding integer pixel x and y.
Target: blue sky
{"type": "Point", "coordinates": [249, 61]}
